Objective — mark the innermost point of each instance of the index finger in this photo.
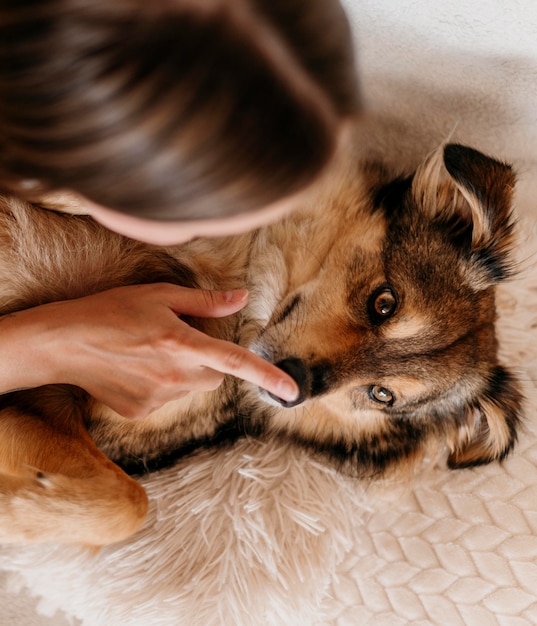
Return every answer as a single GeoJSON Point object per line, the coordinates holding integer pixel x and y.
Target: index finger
{"type": "Point", "coordinates": [230, 358]}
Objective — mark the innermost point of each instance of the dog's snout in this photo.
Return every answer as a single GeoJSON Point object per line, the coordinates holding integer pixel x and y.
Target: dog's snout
{"type": "Point", "coordinates": [296, 368]}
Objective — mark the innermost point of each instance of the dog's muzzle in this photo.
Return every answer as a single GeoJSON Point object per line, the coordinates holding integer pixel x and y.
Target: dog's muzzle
{"type": "Point", "coordinates": [298, 370]}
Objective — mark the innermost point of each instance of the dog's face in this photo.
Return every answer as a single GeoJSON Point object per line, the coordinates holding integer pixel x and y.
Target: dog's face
{"type": "Point", "coordinates": [388, 320]}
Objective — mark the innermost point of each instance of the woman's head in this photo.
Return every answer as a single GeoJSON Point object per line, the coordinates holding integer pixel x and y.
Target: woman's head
{"type": "Point", "coordinates": [172, 109]}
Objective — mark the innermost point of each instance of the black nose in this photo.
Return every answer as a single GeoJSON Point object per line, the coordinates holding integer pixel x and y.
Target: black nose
{"type": "Point", "coordinates": [298, 371]}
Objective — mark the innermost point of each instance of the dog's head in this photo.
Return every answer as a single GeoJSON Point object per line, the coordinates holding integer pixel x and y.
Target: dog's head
{"type": "Point", "coordinates": [388, 322]}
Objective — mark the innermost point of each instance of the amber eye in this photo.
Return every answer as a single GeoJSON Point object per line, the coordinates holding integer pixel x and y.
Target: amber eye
{"type": "Point", "coordinates": [381, 395]}
{"type": "Point", "coordinates": [382, 304]}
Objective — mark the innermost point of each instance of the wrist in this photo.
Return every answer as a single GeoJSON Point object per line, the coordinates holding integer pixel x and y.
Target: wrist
{"type": "Point", "coordinates": [29, 350]}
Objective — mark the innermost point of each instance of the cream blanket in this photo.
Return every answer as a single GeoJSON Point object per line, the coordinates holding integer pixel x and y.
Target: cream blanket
{"type": "Point", "coordinates": [262, 534]}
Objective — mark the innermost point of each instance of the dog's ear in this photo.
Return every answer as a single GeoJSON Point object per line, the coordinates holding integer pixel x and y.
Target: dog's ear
{"type": "Point", "coordinates": [492, 422]}
{"type": "Point", "coordinates": [472, 195]}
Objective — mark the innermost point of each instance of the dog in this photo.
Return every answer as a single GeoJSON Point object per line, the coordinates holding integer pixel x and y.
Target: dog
{"type": "Point", "coordinates": [378, 297]}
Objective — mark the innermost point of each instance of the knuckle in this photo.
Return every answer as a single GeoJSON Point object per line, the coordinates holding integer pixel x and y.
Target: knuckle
{"type": "Point", "coordinates": [210, 299]}
{"type": "Point", "coordinates": [171, 377]}
{"type": "Point", "coordinates": [171, 382]}
{"type": "Point", "coordinates": [235, 360]}
{"type": "Point", "coordinates": [167, 341]}
{"type": "Point", "coordinates": [157, 379]}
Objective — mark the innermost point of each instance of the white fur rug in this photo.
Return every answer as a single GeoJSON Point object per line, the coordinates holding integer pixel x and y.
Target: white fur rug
{"type": "Point", "coordinates": [263, 535]}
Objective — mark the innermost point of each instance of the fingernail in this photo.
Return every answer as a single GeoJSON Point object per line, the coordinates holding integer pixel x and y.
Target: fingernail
{"type": "Point", "coordinates": [237, 295]}
{"type": "Point", "coordinates": [288, 391]}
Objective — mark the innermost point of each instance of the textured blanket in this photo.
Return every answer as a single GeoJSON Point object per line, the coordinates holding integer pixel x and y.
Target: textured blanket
{"type": "Point", "coordinates": [263, 534]}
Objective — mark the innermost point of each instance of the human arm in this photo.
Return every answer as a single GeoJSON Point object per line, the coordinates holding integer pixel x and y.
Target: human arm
{"type": "Point", "coordinates": [128, 348]}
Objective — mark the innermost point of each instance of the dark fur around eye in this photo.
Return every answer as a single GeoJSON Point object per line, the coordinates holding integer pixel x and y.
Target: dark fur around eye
{"type": "Point", "coordinates": [382, 304]}
{"type": "Point", "coordinates": [391, 196]}
{"type": "Point", "coordinates": [288, 309]}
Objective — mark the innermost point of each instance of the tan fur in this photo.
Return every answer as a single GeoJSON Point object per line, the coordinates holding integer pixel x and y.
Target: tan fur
{"type": "Point", "coordinates": [314, 280]}
{"type": "Point", "coordinates": [56, 485]}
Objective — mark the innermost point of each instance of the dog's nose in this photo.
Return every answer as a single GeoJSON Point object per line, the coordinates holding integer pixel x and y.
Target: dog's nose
{"type": "Point", "coordinates": [297, 369]}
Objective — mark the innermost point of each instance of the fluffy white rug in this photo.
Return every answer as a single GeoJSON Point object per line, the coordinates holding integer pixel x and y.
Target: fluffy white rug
{"type": "Point", "coordinates": [261, 534]}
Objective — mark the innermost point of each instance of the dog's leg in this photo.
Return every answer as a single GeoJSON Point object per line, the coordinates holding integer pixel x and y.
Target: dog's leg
{"type": "Point", "coordinates": [55, 485]}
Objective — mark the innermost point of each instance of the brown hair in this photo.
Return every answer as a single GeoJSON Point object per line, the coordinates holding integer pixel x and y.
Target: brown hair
{"type": "Point", "coordinates": [172, 109]}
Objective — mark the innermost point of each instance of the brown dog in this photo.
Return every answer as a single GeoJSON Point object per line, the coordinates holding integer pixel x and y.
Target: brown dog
{"type": "Point", "coordinates": [378, 299]}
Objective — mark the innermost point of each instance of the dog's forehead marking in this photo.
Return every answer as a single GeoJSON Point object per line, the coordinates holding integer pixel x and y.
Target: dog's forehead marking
{"type": "Point", "coordinates": [406, 387]}
{"type": "Point", "coordinates": [373, 233]}
{"type": "Point", "coordinates": [407, 326]}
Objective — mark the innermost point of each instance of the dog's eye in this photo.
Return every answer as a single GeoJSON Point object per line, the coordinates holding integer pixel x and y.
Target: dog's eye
{"type": "Point", "coordinates": [381, 395]}
{"type": "Point", "coordinates": [382, 304]}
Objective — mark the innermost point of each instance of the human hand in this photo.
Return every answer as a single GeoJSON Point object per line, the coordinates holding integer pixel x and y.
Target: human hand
{"type": "Point", "coordinates": [128, 348]}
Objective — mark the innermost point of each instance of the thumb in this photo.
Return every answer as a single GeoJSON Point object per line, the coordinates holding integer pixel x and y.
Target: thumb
{"type": "Point", "coordinates": [208, 303]}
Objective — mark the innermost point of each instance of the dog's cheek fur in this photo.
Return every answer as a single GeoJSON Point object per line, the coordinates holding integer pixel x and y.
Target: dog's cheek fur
{"type": "Point", "coordinates": [492, 424]}
{"type": "Point", "coordinates": [362, 444]}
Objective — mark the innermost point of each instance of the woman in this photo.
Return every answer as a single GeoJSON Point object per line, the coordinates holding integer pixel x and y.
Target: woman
{"type": "Point", "coordinates": [168, 119]}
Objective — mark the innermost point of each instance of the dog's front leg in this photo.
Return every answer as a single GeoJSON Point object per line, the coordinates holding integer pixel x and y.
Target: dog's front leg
{"type": "Point", "coordinates": [55, 485]}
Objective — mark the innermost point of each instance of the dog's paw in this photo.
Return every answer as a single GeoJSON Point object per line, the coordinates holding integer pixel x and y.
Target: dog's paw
{"type": "Point", "coordinates": [38, 506]}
